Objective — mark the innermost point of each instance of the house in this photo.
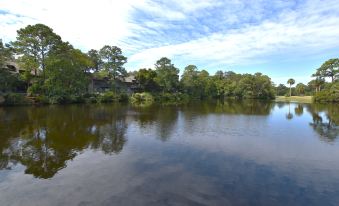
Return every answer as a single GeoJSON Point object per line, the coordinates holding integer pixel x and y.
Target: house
{"type": "Point", "coordinates": [102, 84]}
{"type": "Point", "coordinates": [14, 68]}
{"type": "Point", "coordinates": [131, 84]}
{"type": "Point", "coordinates": [98, 84]}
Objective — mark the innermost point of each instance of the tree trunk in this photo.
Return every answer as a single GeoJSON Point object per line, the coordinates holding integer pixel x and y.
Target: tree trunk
{"type": "Point", "coordinates": [290, 90]}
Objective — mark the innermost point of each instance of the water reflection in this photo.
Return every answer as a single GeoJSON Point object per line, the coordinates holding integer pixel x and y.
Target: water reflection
{"type": "Point", "coordinates": [299, 110]}
{"type": "Point", "coordinates": [325, 121]}
{"type": "Point", "coordinates": [44, 139]}
{"type": "Point", "coordinates": [289, 115]}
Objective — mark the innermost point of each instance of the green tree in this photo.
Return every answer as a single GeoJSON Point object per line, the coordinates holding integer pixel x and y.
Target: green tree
{"type": "Point", "coordinates": [316, 84]}
{"type": "Point", "coordinates": [36, 41]}
{"type": "Point", "coordinates": [255, 86]}
{"type": "Point", "coordinates": [146, 80]}
{"type": "Point", "coordinates": [291, 82]}
{"type": "Point", "coordinates": [8, 80]}
{"type": "Point", "coordinates": [329, 69]}
{"type": "Point", "coordinates": [167, 75]}
{"type": "Point", "coordinates": [281, 90]}
{"type": "Point", "coordinates": [113, 61]}
{"type": "Point", "coordinates": [195, 82]}
{"type": "Point", "coordinates": [6, 54]}
{"type": "Point", "coordinates": [300, 88]}
{"type": "Point", "coordinates": [66, 72]}
{"type": "Point", "coordinates": [189, 79]}
{"type": "Point", "coordinates": [95, 58]}
{"type": "Point", "coordinates": [29, 64]}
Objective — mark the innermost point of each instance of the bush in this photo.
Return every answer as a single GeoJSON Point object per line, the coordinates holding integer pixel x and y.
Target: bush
{"type": "Point", "coordinates": [42, 99]}
{"type": "Point", "coordinates": [35, 88]}
{"type": "Point", "coordinates": [76, 99]}
{"type": "Point", "coordinates": [142, 98]}
{"type": "Point", "coordinates": [91, 100]}
{"type": "Point", "coordinates": [329, 94]}
{"type": "Point", "coordinates": [123, 97]}
{"type": "Point", "coordinates": [108, 97]}
{"type": "Point", "coordinates": [16, 99]}
{"type": "Point", "coordinates": [57, 99]}
{"type": "Point", "coordinates": [172, 98]}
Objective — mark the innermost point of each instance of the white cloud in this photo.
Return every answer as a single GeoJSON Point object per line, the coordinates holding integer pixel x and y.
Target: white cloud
{"type": "Point", "coordinates": [305, 31]}
{"type": "Point", "coordinates": [86, 24]}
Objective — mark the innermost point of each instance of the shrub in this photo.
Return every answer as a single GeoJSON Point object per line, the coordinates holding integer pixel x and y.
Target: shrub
{"type": "Point", "coordinates": [142, 98]}
{"type": "Point", "coordinates": [172, 98]}
{"type": "Point", "coordinates": [42, 99]}
{"type": "Point", "coordinates": [76, 99]}
{"type": "Point", "coordinates": [108, 97]}
{"type": "Point", "coordinates": [123, 97]}
{"type": "Point", "coordinates": [57, 99]}
{"type": "Point", "coordinates": [16, 99]}
{"type": "Point", "coordinates": [329, 94]}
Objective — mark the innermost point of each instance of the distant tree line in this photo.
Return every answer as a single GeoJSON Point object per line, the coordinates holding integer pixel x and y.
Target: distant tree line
{"type": "Point", "coordinates": [322, 90]}
{"type": "Point", "coordinates": [56, 72]}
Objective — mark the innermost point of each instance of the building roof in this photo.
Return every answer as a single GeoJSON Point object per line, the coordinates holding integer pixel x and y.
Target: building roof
{"type": "Point", "coordinates": [130, 79]}
{"type": "Point", "coordinates": [12, 66]}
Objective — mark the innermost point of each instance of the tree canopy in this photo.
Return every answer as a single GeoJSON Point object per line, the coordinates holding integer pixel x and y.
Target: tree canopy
{"type": "Point", "coordinates": [330, 69]}
{"type": "Point", "coordinates": [36, 41]}
{"type": "Point", "coordinates": [167, 75]}
{"type": "Point", "coordinates": [113, 61]}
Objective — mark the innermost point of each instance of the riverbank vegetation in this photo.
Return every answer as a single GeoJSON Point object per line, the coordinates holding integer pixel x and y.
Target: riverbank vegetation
{"type": "Point", "coordinates": [51, 71]}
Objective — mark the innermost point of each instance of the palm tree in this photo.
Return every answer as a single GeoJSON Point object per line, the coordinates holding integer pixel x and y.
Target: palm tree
{"type": "Point", "coordinates": [290, 82]}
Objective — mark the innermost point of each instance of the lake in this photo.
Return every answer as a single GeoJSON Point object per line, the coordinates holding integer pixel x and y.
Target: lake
{"type": "Point", "coordinates": [211, 153]}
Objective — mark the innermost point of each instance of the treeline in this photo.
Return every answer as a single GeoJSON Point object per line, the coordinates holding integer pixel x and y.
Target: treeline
{"type": "Point", "coordinates": [55, 72]}
{"type": "Point", "coordinates": [199, 84]}
{"type": "Point", "coordinates": [321, 90]}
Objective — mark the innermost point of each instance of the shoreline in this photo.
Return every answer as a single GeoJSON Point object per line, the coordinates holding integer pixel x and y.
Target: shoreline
{"type": "Point", "coordinates": [296, 99]}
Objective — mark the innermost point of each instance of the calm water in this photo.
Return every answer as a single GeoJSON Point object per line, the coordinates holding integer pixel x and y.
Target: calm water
{"type": "Point", "coordinates": [236, 153]}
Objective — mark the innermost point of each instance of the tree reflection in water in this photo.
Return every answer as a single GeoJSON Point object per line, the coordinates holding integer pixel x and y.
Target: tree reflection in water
{"type": "Point", "coordinates": [48, 137]}
{"type": "Point", "coordinates": [43, 139]}
{"type": "Point", "coordinates": [289, 115]}
{"type": "Point", "coordinates": [325, 120]}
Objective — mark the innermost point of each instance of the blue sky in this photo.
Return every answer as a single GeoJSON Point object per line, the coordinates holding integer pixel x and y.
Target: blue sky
{"type": "Point", "coordinates": [280, 38]}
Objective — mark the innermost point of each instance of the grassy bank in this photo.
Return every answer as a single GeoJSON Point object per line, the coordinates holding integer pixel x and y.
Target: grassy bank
{"type": "Point", "coordinates": [299, 99]}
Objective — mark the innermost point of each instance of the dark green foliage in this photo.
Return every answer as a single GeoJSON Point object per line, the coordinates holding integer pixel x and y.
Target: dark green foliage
{"type": "Point", "coordinates": [172, 98]}
{"type": "Point", "coordinates": [143, 99]}
{"type": "Point", "coordinates": [65, 72]}
{"type": "Point", "coordinates": [37, 41]}
{"type": "Point", "coordinates": [108, 97]}
{"type": "Point", "coordinates": [301, 89]}
{"type": "Point", "coordinates": [316, 85]}
{"type": "Point", "coordinates": [113, 61]}
{"type": "Point", "coordinates": [256, 86]}
{"type": "Point", "coordinates": [248, 86]}
{"type": "Point", "coordinates": [6, 54]}
{"type": "Point", "coordinates": [329, 69]}
{"type": "Point", "coordinates": [330, 94]}
{"type": "Point", "coordinates": [195, 83]}
{"type": "Point", "coordinates": [167, 75]}
{"type": "Point", "coordinates": [16, 99]}
{"type": "Point", "coordinates": [324, 91]}
{"type": "Point", "coordinates": [281, 90]}
{"type": "Point", "coordinates": [96, 60]}
{"type": "Point", "coordinates": [146, 80]}
{"type": "Point", "coordinates": [8, 81]}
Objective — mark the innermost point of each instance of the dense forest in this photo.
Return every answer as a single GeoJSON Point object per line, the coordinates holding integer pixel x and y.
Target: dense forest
{"type": "Point", "coordinates": [53, 71]}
